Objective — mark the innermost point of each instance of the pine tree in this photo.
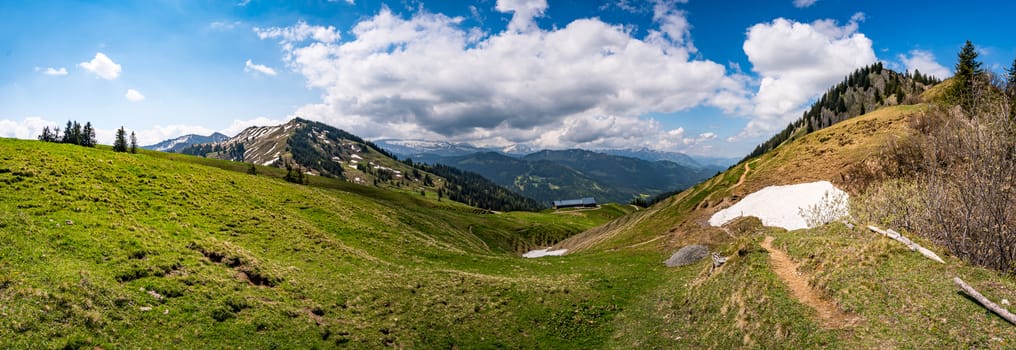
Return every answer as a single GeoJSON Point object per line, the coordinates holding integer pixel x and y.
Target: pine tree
{"type": "Point", "coordinates": [967, 66]}
{"type": "Point", "coordinates": [68, 133]}
{"type": "Point", "coordinates": [88, 135]}
{"type": "Point", "coordinates": [76, 135]}
{"type": "Point", "coordinates": [46, 134]}
{"type": "Point", "coordinates": [134, 143]}
{"type": "Point", "coordinates": [120, 143]}
{"type": "Point", "coordinates": [968, 73]}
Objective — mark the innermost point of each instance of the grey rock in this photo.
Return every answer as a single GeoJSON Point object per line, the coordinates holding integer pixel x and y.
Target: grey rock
{"type": "Point", "coordinates": [687, 255]}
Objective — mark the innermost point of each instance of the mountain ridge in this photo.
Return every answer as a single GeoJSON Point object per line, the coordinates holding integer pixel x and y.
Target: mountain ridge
{"type": "Point", "coordinates": [315, 148]}
{"type": "Point", "coordinates": [177, 144]}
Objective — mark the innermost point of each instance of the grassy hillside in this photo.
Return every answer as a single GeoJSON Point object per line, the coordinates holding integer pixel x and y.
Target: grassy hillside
{"type": "Point", "coordinates": [133, 251]}
{"type": "Point", "coordinates": [893, 298]}
{"type": "Point", "coordinates": [162, 250]}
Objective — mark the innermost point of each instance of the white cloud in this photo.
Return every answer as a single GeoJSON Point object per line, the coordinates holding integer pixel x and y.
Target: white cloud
{"type": "Point", "coordinates": [238, 125]}
{"type": "Point", "coordinates": [29, 128]}
{"type": "Point", "coordinates": [804, 3]}
{"type": "Point", "coordinates": [243, 3]}
{"type": "Point", "coordinates": [289, 36]}
{"type": "Point", "coordinates": [585, 84]}
{"type": "Point", "coordinates": [703, 137]}
{"type": "Point", "coordinates": [250, 66]}
{"type": "Point", "coordinates": [797, 62]}
{"type": "Point", "coordinates": [134, 96]}
{"type": "Point", "coordinates": [673, 24]}
{"type": "Point", "coordinates": [102, 66]}
{"type": "Point", "coordinates": [523, 13]}
{"type": "Point", "coordinates": [52, 71]}
{"type": "Point", "coordinates": [224, 25]}
{"type": "Point", "coordinates": [925, 62]}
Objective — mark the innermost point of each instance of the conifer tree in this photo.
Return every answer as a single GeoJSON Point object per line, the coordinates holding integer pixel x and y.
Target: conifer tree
{"type": "Point", "coordinates": [134, 143]}
{"type": "Point", "coordinates": [46, 134]}
{"type": "Point", "coordinates": [967, 66]}
{"type": "Point", "coordinates": [68, 133]}
{"type": "Point", "coordinates": [88, 135]}
{"type": "Point", "coordinates": [76, 135]}
{"type": "Point", "coordinates": [120, 143]}
{"type": "Point", "coordinates": [968, 73]}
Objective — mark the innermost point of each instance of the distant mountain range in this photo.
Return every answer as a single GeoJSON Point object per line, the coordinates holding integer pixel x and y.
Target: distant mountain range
{"type": "Point", "coordinates": [548, 175]}
{"type": "Point", "coordinates": [315, 148]}
{"type": "Point", "coordinates": [564, 174]}
{"type": "Point", "coordinates": [427, 148]}
{"type": "Point", "coordinates": [427, 151]}
{"type": "Point", "coordinates": [179, 143]}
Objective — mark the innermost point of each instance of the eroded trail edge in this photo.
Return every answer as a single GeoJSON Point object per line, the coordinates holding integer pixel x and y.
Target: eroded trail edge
{"type": "Point", "coordinates": [784, 267]}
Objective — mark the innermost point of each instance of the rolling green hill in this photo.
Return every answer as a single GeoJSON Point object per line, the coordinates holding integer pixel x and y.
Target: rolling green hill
{"type": "Point", "coordinates": [161, 250]}
{"type": "Point", "coordinates": [164, 250]}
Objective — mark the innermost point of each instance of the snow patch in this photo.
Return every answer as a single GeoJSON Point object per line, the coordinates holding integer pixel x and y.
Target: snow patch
{"type": "Point", "coordinates": [783, 206]}
{"type": "Point", "coordinates": [544, 252]}
{"type": "Point", "coordinates": [357, 156]}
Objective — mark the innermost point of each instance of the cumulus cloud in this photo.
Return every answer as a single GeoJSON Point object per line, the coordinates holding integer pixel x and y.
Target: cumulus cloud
{"type": "Point", "coordinates": [102, 66]}
{"type": "Point", "coordinates": [804, 3]}
{"type": "Point", "coordinates": [925, 62]}
{"type": "Point", "coordinates": [585, 84]}
{"type": "Point", "coordinates": [28, 128]}
{"type": "Point", "coordinates": [134, 96]}
{"type": "Point", "coordinates": [300, 32]}
{"type": "Point", "coordinates": [797, 62]}
{"type": "Point", "coordinates": [52, 71]}
{"type": "Point", "coordinates": [253, 67]}
{"type": "Point", "coordinates": [523, 13]}
{"type": "Point", "coordinates": [673, 24]}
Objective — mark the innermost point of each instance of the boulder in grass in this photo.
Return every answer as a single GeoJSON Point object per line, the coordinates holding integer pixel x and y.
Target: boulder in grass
{"type": "Point", "coordinates": [687, 255]}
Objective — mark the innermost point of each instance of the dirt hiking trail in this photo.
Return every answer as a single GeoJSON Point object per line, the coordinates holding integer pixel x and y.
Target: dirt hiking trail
{"type": "Point", "coordinates": [743, 175]}
{"type": "Point", "coordinates": [784, 267]}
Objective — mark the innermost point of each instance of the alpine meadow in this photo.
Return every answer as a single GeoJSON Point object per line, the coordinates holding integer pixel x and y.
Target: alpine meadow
{"type": "Point", "coordinates": [522, 174]}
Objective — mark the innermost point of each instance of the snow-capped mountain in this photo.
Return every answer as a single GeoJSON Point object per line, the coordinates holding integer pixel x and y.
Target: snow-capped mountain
{"type": "Point", "coordinates": [179, 143]}
{"type": "Point", "coordinates": [417, 148]}
{"type": "Point", "coordinates": [517, 150]}
{"type": "Point", "coordinates": [655, 155]}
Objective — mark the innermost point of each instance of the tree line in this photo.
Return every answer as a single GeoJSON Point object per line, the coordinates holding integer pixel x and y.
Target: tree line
{"type": "Point", "coordinates": [864, 90]}
{"type": "Point", "coordinates": [474, 189]}
{"type": "Point", "coordinates": [76, 134]}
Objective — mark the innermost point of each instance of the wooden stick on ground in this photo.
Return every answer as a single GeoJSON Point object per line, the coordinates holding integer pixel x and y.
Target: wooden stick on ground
{"type": "Point", "coordinates": [910, 244]}
{"type": "Point", "coordinates": [1001, 311]}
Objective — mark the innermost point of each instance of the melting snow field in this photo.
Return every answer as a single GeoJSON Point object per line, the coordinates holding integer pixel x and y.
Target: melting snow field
{"type": "Point", "coordinates": [781, 206]}
{"type": "Point", "coordinates": [544, 252]}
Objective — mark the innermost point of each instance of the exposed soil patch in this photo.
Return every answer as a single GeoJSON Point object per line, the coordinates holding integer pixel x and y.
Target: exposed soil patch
{"type": "Point", "coordinates": [784, 267]}
{"type": "Point", "coordinates": [743, 175]}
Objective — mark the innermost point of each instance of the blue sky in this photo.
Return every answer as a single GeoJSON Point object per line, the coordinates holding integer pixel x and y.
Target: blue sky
{"type": "Point", "coordinates": [701, 77]}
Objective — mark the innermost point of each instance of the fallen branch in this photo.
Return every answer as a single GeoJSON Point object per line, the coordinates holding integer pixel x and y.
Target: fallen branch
{"type": "Point", "coordinates": [906, 241]}
{"type": "Point", "coordinates": [1000, 311]}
